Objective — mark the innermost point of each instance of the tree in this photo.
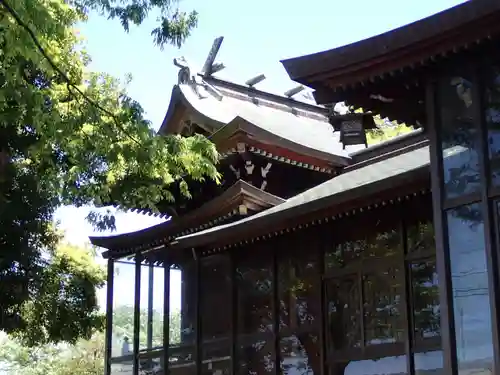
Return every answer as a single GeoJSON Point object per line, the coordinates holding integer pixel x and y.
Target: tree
{"type": "Point", "coordinates": [85, 357]}
{"type": "Point", "coordinates": [59, 302]}
{"type": "Point", "coordinates": [386, 130]}
{"type": "Point", "coordinates": [70, 136]}
{"type": "Point", "coordinates": [174, 27]}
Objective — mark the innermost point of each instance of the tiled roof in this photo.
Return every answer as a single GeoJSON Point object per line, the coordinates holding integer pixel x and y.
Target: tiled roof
{"type": "Point", "coordinates": [362, 181]}
{"type": "Point", "coordinates": [292, 121]}
{"type": "Point", "coordinates": [219, 209]}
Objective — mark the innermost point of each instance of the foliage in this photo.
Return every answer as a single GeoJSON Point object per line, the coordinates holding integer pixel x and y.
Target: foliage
{"type": "Point", "coordinates": [70, 136]}
{"type": "Point", "coordinates": [386, 130]}
{"type": "Point", "coordinates": [85, 132]}
{"type": "Point", "coordinates": [64, 305]}
{"type": "Point", "coordinates": [59, 303]}
{"type": "Point", "coordinates": [123, 325]}
{"type": "Point", "coordinates": [174, 27]}
{"type": "Point", "coordinates": [86, 357]}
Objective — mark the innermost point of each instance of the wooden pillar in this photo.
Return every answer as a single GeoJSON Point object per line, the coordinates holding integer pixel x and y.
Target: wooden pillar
{"type": "Point", "coordinates": [234, 314]}
{"type": "Point", "coordinates": [166, 313]}
{"type": "Point", "coordinates": [137, 312]}
{"type": "Point", "coordinates": [109, 318]}
{"type": "Point", "coordinates": [275, 307]}
{"type": "Point", "coordinates": [197, 309]}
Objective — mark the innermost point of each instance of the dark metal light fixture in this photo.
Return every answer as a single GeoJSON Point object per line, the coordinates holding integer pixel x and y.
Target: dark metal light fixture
{"type": "Point", "coordinates": [352, 127]}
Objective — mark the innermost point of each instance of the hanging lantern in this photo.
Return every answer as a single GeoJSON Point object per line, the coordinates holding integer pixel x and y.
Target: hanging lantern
{"type": "Point", "coordinates": [352, 127]}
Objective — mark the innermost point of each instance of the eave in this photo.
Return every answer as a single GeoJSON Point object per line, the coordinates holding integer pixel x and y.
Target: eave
{"type": "Point", "coordinates": [408, 47]}
{"type": "Point", "coordinates": [177, 107]}
{"type": "Point", "coordinates": [241, 130]}
{"type": "Point", "coordinates": [401, 171]}
{"type": "Point", "coordinates": [239, 200]}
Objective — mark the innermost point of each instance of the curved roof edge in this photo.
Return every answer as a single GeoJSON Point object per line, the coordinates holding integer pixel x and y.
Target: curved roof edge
{"type": "Point", "coordinates": [211, 210]}
{"type": "Point", "coordinates": [303, 68]}
{"type": "Point", "coordinates": [402, 169]}
{"type": "Point", "coordinates": [178, 98]}
{"type": "Point", "coordinates": [241, 123]}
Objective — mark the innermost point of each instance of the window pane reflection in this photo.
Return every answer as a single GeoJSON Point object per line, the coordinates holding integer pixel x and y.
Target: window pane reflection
{"type": "Point", "coordinates": [182, 316]}
{"type": "Point", "coordinates": [383, 306]}
{"type": "Point", "coordinates": [492, 116]}
{"type": "Point", "coordinates": [343, 313]}
{"type": "Point", "coordinates": [216, 291]}
{"type": "Point", "coordinates": [151, 307]}
{"type": "Point", "coordinates": [187, 314]}
{"type": "Point", "coordinates": [429, 363]}
{"type": "Point", "coordinates": [471, 303]}
{"type": "Point", "coordinates": [380, 366]}
{"type": "Point", "coordinates": [125, 368]}
{"type": "Point", "coordinates": [298, 289]}
{"type": "Point", "coordinates": [299, 354]}
{"type": "Point", "coordinates": [144, 306]}
{"type": "Point", "coordinates": [215, 358]}
{"type": "Point", "coordinates": [425, 301]}
{"type": "Point", "coordinates": [123, 308]}
{"type": "Point", "coordinates": [255, 294]}
{"type": "Point", "coordinates": [421, 237]}
{"type": "Point", "coordinates": [460, 148]}
{"type": "Point", "coordinates": [158, 303]}
{"type": "Point", "coordinates": [255, 355]}
{"type": "Point", "coordinates": [151, 363]}
{"type": "Point", "coordinates": [181, 360]}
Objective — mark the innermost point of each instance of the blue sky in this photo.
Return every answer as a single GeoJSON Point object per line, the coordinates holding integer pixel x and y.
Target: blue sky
{"type": "Point", "coordinates": [258, 34]}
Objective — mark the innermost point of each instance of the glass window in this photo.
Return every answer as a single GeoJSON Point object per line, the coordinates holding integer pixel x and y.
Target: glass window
{"type": "Point", "coordinates": [343, 313]}
{"type": "Point", "coordinates": [157, 305]}
{"type": "Point", "coordinates": [471, 302]}
{"type": "Point", "coordinates": [151, 362]}
{"type": "Point", "coordinates": [255, 356]}
{"type": "Point", "coordinates": [373, 235]}
{"type": "Point", "coordinates": [181, 351]}
{"type": "Point", "coordinates": [254, 279]}
{"type": "Point", "coordinates": [299, 354]}
{"type": "Point", "coordinates": [420, 233]}
{"type": "Point", "coordinates": [122, 368]}
{"type": "Point", "coordinates": [384, 365]}
{"type": "Point", "coordinates": [459, 137]}
{"type": "Point", "coordinates": [492, 116]}
{"type": "Point", "coordinates": [216, 291]}
{"type": "Point", "coordinates": [425, 303]}
{"type": "Point", "coordinates": [215, 358]}
{"type": "Point", "coordinates": [123, 308]}
{"type": "Point", "coordinates": [145, 324]}
{"type": "Point", "coordinates": [299, 293]}
{"type": "Point", "coordinates": [384, 306]}
{"type": "Point", "coordinates": [299, 290]}
{"type": "Point", "coordinates": [151, 307]}
{"type": "Point", "coordinates": [429, 362]}
{"type": "Point", "coordinates": [255, 340]}
{"type": "Point", "coordinates": [216, 314]}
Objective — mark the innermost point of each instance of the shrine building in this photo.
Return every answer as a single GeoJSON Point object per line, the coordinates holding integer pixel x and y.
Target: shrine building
{"type": "Point", "coordinates": [319, 254]}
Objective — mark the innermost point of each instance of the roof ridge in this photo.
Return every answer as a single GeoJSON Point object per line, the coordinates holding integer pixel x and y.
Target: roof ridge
{"type": "Point", "coordinates": [252, 92]}
{"type": "Point", "coordinates": [276, 105]}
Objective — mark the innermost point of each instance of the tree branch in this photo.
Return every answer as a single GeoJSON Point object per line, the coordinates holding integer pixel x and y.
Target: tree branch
{"type": "Point", "coordinates": [54, 66]}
